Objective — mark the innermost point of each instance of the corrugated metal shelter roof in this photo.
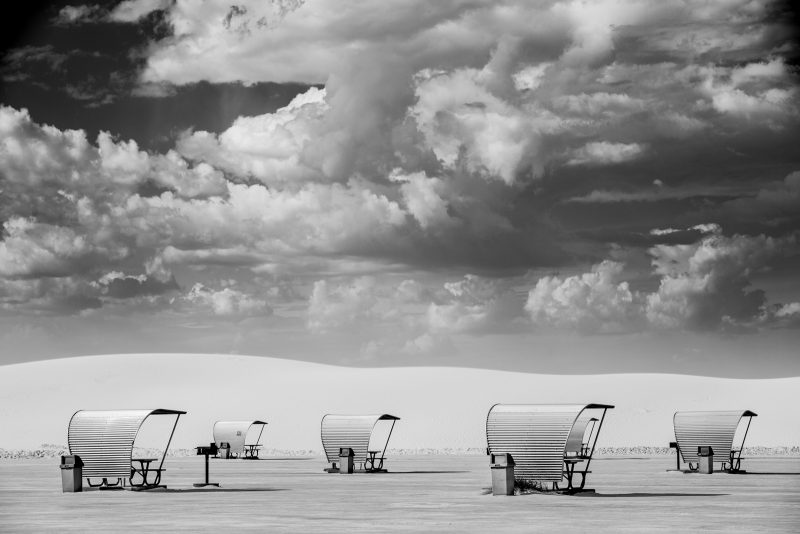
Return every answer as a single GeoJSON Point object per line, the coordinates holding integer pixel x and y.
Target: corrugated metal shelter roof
{"type": "Point", "coordinates": [354, 431]}
{"type": "Point", "coordinates": [536, 435]}
{"type": "Point", "coordinates": [715, 429]}
{"type": "Point", "coordinates": [235, 433]}
{"type": "Point", "coordinates": [104, 439]}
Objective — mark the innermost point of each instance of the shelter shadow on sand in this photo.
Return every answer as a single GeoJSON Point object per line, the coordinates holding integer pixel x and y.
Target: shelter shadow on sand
{"type": "Point", "coordinates": [645, 494]}
{"type": "Point", "coordinates": [774, 473]}
{"type": "Point", "coordinates": [424, 472]}
{"type": "Point", "coordinates": [283, 459]}
{"type": "Point", "coordinates": [218, 490]}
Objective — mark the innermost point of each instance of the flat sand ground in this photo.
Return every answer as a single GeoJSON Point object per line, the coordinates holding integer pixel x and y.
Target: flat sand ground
{"type": "Point", "coordinates": [421, 494]}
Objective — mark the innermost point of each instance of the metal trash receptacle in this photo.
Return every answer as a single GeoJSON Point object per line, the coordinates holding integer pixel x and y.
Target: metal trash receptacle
{"type": "Point", "coordinates": [224, 450]}
{"type": "Point", "coordinates": [705, 460]}
{"type": "Point", "coordinates": [502, 474]}
{"type": "Point", "coordinates": [71, 473]}
{"type": "Point", "coordinates": [346, 460]}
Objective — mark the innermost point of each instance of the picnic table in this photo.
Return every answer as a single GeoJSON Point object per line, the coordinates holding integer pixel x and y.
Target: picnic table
{"type": "Point", "coordinates": [372, 457]}
{"type": "Point", "coordinates": [569, 471]}
{"type": "Point", "coordinates": [142, 467]}
{"type": "Point", "coordinates": [251, 451]}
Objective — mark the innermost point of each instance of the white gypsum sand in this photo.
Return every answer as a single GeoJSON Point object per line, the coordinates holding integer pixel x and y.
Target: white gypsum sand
{"type": "Point", "coordinates": [441, 408]}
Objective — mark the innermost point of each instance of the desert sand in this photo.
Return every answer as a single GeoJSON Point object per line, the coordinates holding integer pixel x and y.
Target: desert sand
{"type": "Point", "coordinates": [441, 408]}
{"type": "Point", "coordinates": [433, 493]}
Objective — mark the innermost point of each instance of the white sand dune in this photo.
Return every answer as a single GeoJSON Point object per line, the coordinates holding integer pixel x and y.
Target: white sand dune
{"type": "Point", "coordinates": [439, 407]}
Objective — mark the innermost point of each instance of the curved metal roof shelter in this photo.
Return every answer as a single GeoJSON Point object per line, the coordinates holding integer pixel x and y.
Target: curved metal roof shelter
{"type": "Point", "coordinates": [537, 436]}
{"type": "Point", "coordinates": [104, 439]}
{"type": "Point", "coordinates": [235, 433]}
{"type": "Point", "coordinates": [713, 429]}
{"type": "Point", "coordinates": [352, 431]}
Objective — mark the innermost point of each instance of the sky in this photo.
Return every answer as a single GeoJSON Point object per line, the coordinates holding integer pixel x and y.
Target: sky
{"type": "Point", "coordinates": [557, 187]}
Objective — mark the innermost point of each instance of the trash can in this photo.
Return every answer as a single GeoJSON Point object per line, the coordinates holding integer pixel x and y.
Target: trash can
{"type": "Point", "coordinates": [502, 474]}
{"type": "Point", "coordinates": [705, 460]}
{"type": "Point", "coordinates": [224, 450]}
{"type": "Point", "coordinates": [71, 473]}
{"type": "Point", "coordinates": [346, 458]}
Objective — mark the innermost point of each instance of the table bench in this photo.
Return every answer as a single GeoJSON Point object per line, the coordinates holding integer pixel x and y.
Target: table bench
{"type": "Point", "coordinates": [569, 471]}
{"type": "Point", "coordinates": [143, 468]}
{"type": "Point", "coordinates": [372, 458]}
{"type": "Point", "coordinates": [251, 451]}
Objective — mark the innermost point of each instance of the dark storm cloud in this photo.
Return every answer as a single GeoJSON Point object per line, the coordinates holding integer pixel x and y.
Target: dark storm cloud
{"type": "Point", "coordinates": [85, 75]}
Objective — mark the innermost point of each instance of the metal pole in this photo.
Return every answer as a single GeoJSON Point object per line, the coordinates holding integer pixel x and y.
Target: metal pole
{"type": "Point", "coordinates": [597, 435]}
{"type": "Point", "coordinates": [160, 465]}
{"type": "Point", "coordinates": [383, 454]}
{"type": "Point", "coordinates": [741, 449]}
{"type": "Point", "coordinates": [259, 434]}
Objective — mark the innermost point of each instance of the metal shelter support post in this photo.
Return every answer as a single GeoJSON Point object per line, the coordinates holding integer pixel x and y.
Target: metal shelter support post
{"type": "Point", "coordinates": [258, 439]}
{"type": "Point", "coordinates": [386, 445]}
{"type": "Point", "coordinates": [164, 456]}
{"type": "Point", "coordinates": [594, 442]}
{"type": "Point", "coordinates": [592, 425]}
{"type": "Point", "coordinates": [741, 448]}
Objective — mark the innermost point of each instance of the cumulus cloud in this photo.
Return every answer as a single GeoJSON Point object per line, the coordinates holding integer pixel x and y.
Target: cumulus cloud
{"type": "Point", "coordinates": [702, 285]}
{"type": "Point", "coordinates": [133, 10]}
{"type": "Point", "coordinates": [422, 197]}
{"type": "Point", "coordinates": [269, 147]}
{"type": "Point", "coordinates": [597, 301]}
{"type": "Point", "coordinates": [473, 304]}
{"type": "Point", "coordinates": [707, 283]}
{"type": "Point", "coordinates": [466, 82]}
{"type": "Point", "coordinates": [129, 11]}
{"type": "Point", "coordinates": [753, 90]}
{"type": "Point", "coordinates": [79, 14]}
{"type": "Point", "coordinates": [34, 250]}
{"type": "Point", "coordinates": [336, 306]}
{"type": "Point", "coordinates": [44, 156]}
{"type": "Point", "coordinates": [604, 153]}
{"type": "Point", "coordinates": [227, 302]}
{"type": "Point", "coordinates": [459, 115]}
{"type": "Point", "coordinates": [118, 285]}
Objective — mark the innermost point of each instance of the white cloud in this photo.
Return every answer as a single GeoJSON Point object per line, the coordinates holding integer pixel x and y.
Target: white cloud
{"type": "Point", "coordinates": [30, 249]}
{"type": "Point", "coordinates": [269, 147]}
{"type": "Point", "coordinates": [591, 302]}
{"type": "Point", "coordinates": [754, 91]}
{"type": "Point", "coordinates": [429, 344]}
{"type": "Point", "coordinates": [605, 153]}
{"type": "Point", "coordinates": [788, 310]}
{"type": "Point", "coordinates": [473, 305]}
{"type": "Point", "coordinates": [456, 112]}
{"type": "Point", "coordinates": [422, 197]}
{"type": "Point", "coordinates": [31, 155]}
{"type": "Point", "coordinates": [602, 103]}
{"type": "Point", "coordinates": [227, 301]}
{"type": "Point", "coordinates": [335, 307]}
{"type": "Point", "coordinates": [707, 283]}
{"type": "Point", "coordinates": [530, 77]}
{"type": "Point", "coordinates": [133, 10]}
{"type": "Point", "coordinates": [78, 14]}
